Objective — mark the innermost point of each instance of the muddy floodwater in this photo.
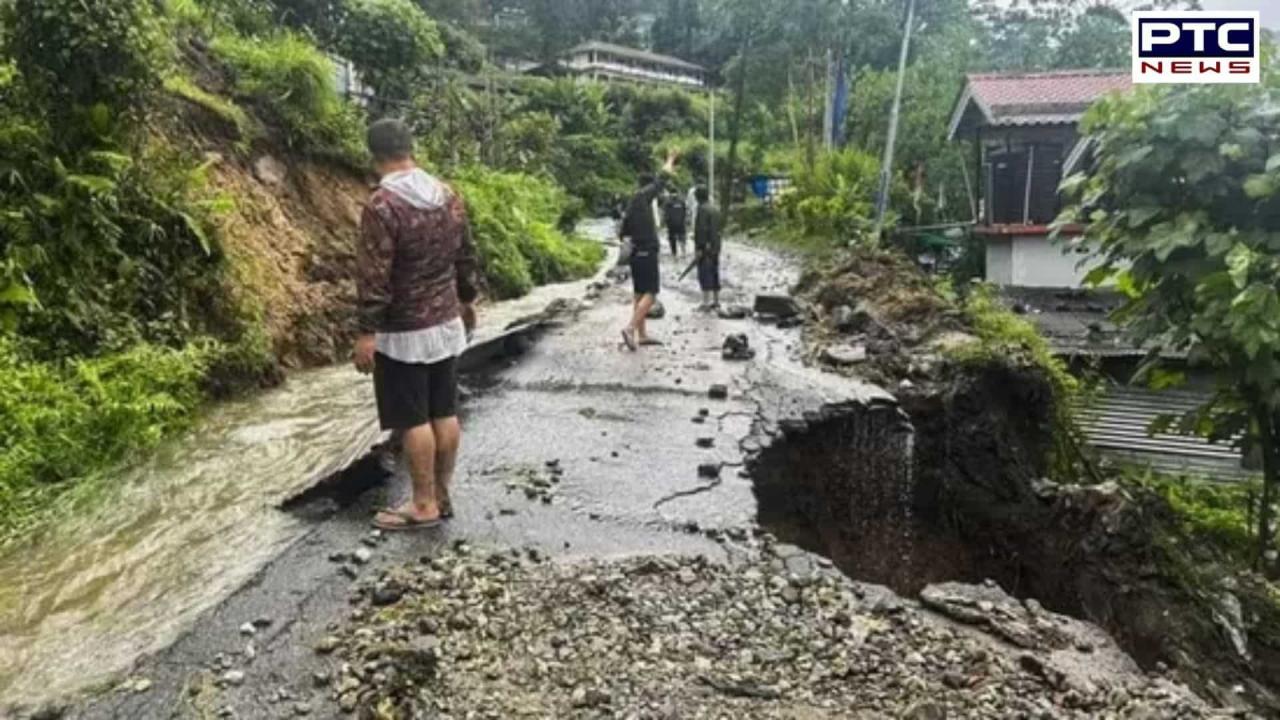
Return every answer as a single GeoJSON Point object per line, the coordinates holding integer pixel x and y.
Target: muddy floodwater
{"type": "Point", "coordinates": [181, 531]}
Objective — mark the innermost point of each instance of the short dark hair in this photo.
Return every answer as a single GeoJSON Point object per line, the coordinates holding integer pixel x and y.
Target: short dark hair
{"type": "Point", "coordinates": [702, 194]}
{"type": "Point", "coordinates": [646, 179]}
{"type": "Point", "coordinates": [390, 139]}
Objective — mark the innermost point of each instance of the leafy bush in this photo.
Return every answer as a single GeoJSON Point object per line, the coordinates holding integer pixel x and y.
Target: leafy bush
{"type": "Point", "coordinates": [67, 420]}
{"type": "Point", "coordinates": [836, 197]}
{"type": "Point", "coordinates": [293, 81]}
{"type": "Point", "coordinates": [391, 42]}
{"type": "Point", "coordinates": [113, 251]}
{"type": "Point", "coordinates": [78, 54]}
{"type": "Point", "coordinates": [515, 220]}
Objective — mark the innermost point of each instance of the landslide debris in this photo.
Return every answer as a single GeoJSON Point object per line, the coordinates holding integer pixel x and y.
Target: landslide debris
{"type": "Point", "coordinates": [878, 317]}
{"type": "Point", "coordinates": [780, 635]}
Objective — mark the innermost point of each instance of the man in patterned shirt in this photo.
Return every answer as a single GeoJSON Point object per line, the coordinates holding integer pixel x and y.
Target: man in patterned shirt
{"type": "Point", "coordinates": [416, 275]}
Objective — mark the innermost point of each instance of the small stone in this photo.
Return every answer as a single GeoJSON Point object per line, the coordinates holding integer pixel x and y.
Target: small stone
{"type": "Point", "coordinates": [347, 702]}
{"type": "Point", "coordinates": [925, 711]}
{"type": "Point", "coordinates": [301, 709]}
{"type": "Point", "coordinates": [140, 685]}
{"type": "Point", "coordinates": [706, 443]}
{"type": "Point", "coordinates": [269, 170]}
{"type": "Point", "coordinates": [844, 355]}
{"type": "Point", "coordinates": [349, 571]}
{"type": "Point", "coordinates": [718, 392]}
{"type": "Point", "coordinates": [709, 471]}
{"type": "Point", "coordinates": [321, 678]}
{"type": "Point", "coordinates": [250, 652]}
{"type": "Point", "coordinates": [362, 556]}
{"type": "Point", "coordinates": [248, 630]}
{"type": "Point", "coordinates": [327, 645]}
{"type": "Point", "coordinates": [233, 678]}
{"type": "Point", "coordinates": [386, 594]}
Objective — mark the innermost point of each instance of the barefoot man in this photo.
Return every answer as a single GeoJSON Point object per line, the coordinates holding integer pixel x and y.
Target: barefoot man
{"type": "Point", "coordinates": [416, 277]}
{"type": "Point", "coordinates": [640, 225]}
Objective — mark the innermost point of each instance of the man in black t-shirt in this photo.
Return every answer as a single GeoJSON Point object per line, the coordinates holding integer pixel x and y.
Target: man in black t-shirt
{"type": "Point", "coordinates": [640, 226]}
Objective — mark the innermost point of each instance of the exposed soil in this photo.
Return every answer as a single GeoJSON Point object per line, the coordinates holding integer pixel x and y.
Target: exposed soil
{"type": "Point", "coordinates": [966, 499]}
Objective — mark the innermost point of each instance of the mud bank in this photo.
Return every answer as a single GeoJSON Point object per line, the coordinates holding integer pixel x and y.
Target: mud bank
{"type": "Point", "coordinates": [949, 485]}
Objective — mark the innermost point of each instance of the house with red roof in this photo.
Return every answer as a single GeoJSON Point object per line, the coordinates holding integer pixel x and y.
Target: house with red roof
{"type": "Point", "coordinates": [1024, 128]}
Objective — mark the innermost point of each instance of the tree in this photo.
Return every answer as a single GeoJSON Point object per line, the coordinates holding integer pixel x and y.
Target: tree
{"type": "Point", "coordinates": [392, 42]}
{"type": "Point", "coordinates": [1183, 208]}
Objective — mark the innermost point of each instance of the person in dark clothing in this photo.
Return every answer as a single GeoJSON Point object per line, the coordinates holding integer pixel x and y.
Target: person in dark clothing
{"type": "Point", "coordinates": [675, 214]}
{"type": "Point", "coordinates": [417, 279]}
{"type": "Point", "coordinates": [706, 245]}
{"type": "Point", "coordinates": [640, 226]}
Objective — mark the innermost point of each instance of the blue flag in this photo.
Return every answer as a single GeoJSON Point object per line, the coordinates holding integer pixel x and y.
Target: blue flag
{"type": "Point", "coordinates": [839, 103]}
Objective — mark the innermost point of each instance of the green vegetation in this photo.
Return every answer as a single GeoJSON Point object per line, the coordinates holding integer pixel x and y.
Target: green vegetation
{"type": "Point", "coordinates": [1003, 337]}
{"type": "Point", "coordinates": [1182, 203]}
{"type": "Point", "coordinates": [67, 420]}
{"type": "Point", "coordinates": [1212, 512]}
{"type": "Point", "coordinates": [292, 82]}
{"type": "Point", "coordinates": [392, 42]}
{"type": "Point", "coordinates": [515, 219]}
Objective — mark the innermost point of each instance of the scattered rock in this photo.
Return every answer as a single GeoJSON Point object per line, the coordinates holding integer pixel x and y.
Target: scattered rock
{"type": "Point", "coordinates": [778, 306]}
{"type": "Point", "coordinates": [845, 355]}
{"type": "Point", "coordinates": [248, 629]}
{"type": "Point", "coordinates": [232, 678]}
{"type": "Point", "coordinates": [705, 443]}
{"type": "Point", "coordinates": [709, 471]}
{"type": "Point", "coordinates": [737, 348]}
{"type": "Point", "coordinates": [269, 170]}
{"type": "Point", "coordinates": [605, 638]}
{"type": "Point", "coordinates": [718, 392]}
{"type": "Point", "coordinates": [362, 556]}
{"type": "Point", "coordinates": [327, 645]}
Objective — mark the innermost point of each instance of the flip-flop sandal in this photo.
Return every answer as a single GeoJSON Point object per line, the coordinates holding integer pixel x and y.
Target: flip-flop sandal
{"type": "Point", "coordinates": [629, 339]}
{"type": "Point", "coordinates": [407, 522]}
{"type": "Point", "coordinates": [651, 343]}
{"type": "Point", "coordinates": [446, 510]}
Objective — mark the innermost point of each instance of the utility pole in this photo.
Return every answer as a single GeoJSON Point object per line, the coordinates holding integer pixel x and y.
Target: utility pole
{"type": "Point", "coordinates": [886, 167]}
{"type": "Point", "coordinates": [711, 151]}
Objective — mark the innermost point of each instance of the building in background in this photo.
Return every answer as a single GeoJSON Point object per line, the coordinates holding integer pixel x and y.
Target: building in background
{"type": "Point", "coordinates": [609, 62]}
{"type": "Point", "coordinates": [1024, 130]}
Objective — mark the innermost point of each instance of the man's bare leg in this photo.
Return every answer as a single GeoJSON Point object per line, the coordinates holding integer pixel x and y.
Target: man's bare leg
{"type": "Point", "coordinates": [420, 451]}
{"type": "Point", "coordinates": [448, 438]}
{"type": "Point", "coordinates": [641, 315]}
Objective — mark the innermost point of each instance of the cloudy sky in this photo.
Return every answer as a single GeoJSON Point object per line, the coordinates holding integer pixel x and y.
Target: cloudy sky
{"type": "Point", "coordinates": [1270, 9]}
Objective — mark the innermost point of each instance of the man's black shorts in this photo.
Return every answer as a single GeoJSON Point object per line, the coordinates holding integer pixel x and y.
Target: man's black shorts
{"type": "Point", "coordinates": [412, 394]}
{"type": "Point", "coordinates": [644, 273]}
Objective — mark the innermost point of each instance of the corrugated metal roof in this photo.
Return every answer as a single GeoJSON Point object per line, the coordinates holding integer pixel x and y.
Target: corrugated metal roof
{"type": "Point", "coordinates": [1049, 98]}
{"type": "Point", "coordinates": [1118, 424]}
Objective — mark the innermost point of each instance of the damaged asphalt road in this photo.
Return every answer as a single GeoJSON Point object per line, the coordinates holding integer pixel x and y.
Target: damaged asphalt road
{"type": "Point", "coordinates": [628, 433]}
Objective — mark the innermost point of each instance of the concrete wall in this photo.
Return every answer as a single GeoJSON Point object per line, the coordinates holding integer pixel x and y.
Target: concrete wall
{"type": "Point", "coordinates": [1037, 262]}
{"type": "Point", "coordinates": [1000, 260]}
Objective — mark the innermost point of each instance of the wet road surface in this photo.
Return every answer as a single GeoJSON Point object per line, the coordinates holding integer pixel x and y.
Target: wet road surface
{"type": "Point", "coordinates": [621, 428]}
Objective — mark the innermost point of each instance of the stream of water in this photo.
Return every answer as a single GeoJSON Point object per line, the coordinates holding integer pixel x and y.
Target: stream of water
{"type": "Point", "coordinates": [180, 531]}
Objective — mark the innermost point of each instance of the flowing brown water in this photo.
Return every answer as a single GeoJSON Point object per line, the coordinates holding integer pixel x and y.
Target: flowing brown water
{"type": "Point", "coordinates": [176, 534]}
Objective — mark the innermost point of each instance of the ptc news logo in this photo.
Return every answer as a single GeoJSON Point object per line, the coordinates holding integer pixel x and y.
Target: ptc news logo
{"type": "Point", "coordinates": [1196, 47]}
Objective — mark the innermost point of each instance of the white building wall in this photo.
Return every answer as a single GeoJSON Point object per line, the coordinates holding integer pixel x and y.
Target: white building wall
{"type": "Point", "coordinates": [1037, 262]}
{"type": "Point", "coordinates": [1000, 261]}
